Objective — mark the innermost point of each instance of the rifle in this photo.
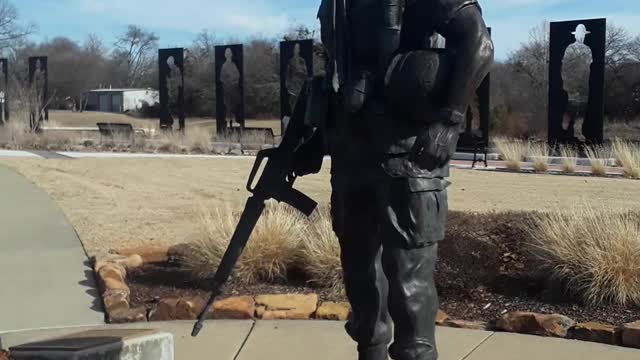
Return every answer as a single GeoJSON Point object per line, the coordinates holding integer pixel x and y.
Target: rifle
{"type": "Point", "coordinates": [297, 155]}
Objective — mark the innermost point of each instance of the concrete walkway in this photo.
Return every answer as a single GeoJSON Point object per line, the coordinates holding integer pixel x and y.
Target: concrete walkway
{"type": "Point", "coordinates": [319, 340]}
{"type": "Point", "coordinates": [44, 277]}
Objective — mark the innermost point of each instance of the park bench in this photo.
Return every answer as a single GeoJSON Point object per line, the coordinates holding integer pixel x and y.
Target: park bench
{"type": "Point", "coordinates": [474, 142]}
{"type": "Point", "coordinates": [115, 131]}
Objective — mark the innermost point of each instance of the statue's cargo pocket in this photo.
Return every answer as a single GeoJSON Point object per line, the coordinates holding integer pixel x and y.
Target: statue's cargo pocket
{"type": "Point", "coordinates": [417, 210]}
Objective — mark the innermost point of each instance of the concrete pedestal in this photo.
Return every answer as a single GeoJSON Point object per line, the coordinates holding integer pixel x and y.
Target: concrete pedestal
{"type": "Point", "coordinates": [100, 345]}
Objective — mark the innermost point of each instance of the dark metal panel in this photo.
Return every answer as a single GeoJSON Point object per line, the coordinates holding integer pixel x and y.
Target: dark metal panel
{"type": "Point", "coordinates": [559, 104]}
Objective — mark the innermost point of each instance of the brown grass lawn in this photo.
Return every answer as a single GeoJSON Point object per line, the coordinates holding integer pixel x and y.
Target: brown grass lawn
{"type": "Point", "coordinates": [117, 203]}
{"type": "Point", "coordinates": [90, 118]}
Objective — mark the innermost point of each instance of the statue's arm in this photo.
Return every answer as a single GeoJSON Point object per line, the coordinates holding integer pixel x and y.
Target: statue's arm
{"type": "Point", "coordinates": [473, 52]}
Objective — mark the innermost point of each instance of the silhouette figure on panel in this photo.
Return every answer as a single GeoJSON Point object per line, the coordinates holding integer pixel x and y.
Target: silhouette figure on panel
{"type": "Point", "coordinates": [4, 88]}
{"type": "Point", "coordinates": [39, 97]}
{"type": "Point", "coordinates": [174, 89]}
{"type": "Point", "coordinates": [296, 76]}
{"type": "Point", "coordinates": [171, 87]}
{"type": "Point", "coordinates": [576, 69]}
{"type": "Point", "coordinates": [296, 66]}
{"type": "Point", "coordinates": [231, 83]}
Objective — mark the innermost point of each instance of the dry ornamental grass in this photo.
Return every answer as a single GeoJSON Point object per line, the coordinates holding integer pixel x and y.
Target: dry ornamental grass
{"type": "Point", "coordinates": [267, 257]}
{"type": "Point", "coordinates": [598, 158]}
{"type": "Point", "coordinates": [569, 159]}
{"type": "Point", "coordinates": [627, 155]}
{"type": "Point", "coordinates": [319, 253]}
{"type": "Point", "coordinates": [595, 252]}
{"type": "Point", "coordinates": [539, 152]}
{"type": "Point", "coordinates": [512, 151]}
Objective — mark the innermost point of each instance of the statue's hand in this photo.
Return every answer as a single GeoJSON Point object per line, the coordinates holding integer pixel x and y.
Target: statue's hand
{"type": "Point", "coordinates": [438, 142]}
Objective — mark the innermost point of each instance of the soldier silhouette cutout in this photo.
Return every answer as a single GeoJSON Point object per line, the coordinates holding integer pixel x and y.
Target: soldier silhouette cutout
{"type": "Point", "coordinates": [174, 89]}
{"type": "Point", "coordinates": [4, 87]}
{"type": "Point", "coordinates": [230, 78]}
{"type": "Point", "coordinates": [576, 70]}
{"type": "Point", "coordinates": [296, 76]}
{"type": "Point", "coordinates": [38, 89]}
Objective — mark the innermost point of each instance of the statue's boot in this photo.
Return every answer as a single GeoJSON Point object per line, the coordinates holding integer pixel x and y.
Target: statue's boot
{"type": "Point", "coordinates": [374, 353]}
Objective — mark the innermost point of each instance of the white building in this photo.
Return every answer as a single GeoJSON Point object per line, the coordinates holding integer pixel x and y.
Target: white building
{"type": "Point", "coordinates": [121, 100]}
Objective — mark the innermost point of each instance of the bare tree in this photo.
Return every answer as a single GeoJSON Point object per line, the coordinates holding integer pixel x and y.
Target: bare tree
{"type": "Point", "coordinates": [532, 58]}
{"type": "Point", "coordinates": [200, 76]}
{"type": "Point", "coordinates": [136, 50]}
{"type": "Point", "coordinates": [634, 49]}
{"type": "Point", "coordinates": [11, 31]}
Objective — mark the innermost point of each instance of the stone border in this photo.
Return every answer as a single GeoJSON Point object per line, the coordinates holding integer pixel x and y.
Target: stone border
{"type": "Point", "coordinates": [111, 273]}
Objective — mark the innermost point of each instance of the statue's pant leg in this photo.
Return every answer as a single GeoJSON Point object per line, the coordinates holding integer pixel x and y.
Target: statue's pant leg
{"type": "Point", "coordinates": [355, 220]}
{"type": "Point", "coordinates": [413, 301]}
{"type": "Point", "coordinates": [411, 229]}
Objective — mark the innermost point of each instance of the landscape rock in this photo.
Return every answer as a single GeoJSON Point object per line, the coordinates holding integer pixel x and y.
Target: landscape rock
{"type": "Point", "coordinates": [189, 308]}
{"type": "Point", "coordinates": [120, 261]}
{"type": "Point", "coordinates": [112, 270]}
{"type": "Point", "coordinates": [333, 311]}
{"type": "Point", "coordinates": [124, 316]}
{"type": "Point", "coordinates": [235, 308]}
{"type": "Point", "coordinates": [441, 317]}
{"type": "Point", "coordinates": [149, 254]}
{"type": "Point", "coordinates": [600, 333]}
{"type": "Point", "coordinates": [114, 284]}
{"type": "Point", "coordinates": [631, 335]}
{"type": "Point", "coordinates": [164, 311]}
{"type": "Point", "coordinates": [112, 277]}
{"type": "Point", "coordinates": [177, 309]}
{"type": "Point", "coordinates": [536, 324]}
{"type": "Point", "coordinates": [99, 264]}
{"type": "Point", "coordinates": [470, 325]}
{"type": "Point", "coordinates": [134, 261]}
{"type": "Point", "coordinates": [286, 307]}
{"type": "Point", "coordinates": [115, 300]}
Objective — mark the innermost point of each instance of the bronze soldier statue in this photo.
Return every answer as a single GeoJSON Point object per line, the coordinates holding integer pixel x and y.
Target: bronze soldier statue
{"type": "Point", "coordinates": [395, 112]}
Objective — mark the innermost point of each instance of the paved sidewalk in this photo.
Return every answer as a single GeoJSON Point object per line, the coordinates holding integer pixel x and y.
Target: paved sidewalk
{"type": "Point", "coordinates": [44, 278]}
{"type": "Point", "coordinates": [323, 340]}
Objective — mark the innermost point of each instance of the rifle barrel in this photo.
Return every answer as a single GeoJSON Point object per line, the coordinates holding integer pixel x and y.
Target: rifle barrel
{"type": "Point", "coordinates": [250, 216]}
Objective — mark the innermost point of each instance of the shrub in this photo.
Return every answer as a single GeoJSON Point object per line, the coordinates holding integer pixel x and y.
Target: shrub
{"type": "Point", "coordinates": [539, 152]}
{"type": "Point", "coordinates": [168, 142]}
{"type": "Point", "coordinates": [319, 253]}
{"type": "Point", "coordinates": [569, 159]}
{"type": "Point", "coordinates": [198, 140]}
{"type": "Point", "coordinates": [598, 157]}
{"type": "Point", "coordinates": [627, 155]}
{"type": "Point", "coordinates": [512, 151]}
{"type": "Point", "coordinates": [595, 252]}
{"type": "Point", "coordinates": [267, 257]}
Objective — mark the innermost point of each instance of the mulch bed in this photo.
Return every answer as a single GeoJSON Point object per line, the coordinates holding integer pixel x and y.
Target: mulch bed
{"type": "Point", "coordinates": [483, 272]}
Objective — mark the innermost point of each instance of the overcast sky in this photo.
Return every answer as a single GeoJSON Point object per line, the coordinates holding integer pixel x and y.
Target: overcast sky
{"type": "Point", "coordinates": [177, 22]}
